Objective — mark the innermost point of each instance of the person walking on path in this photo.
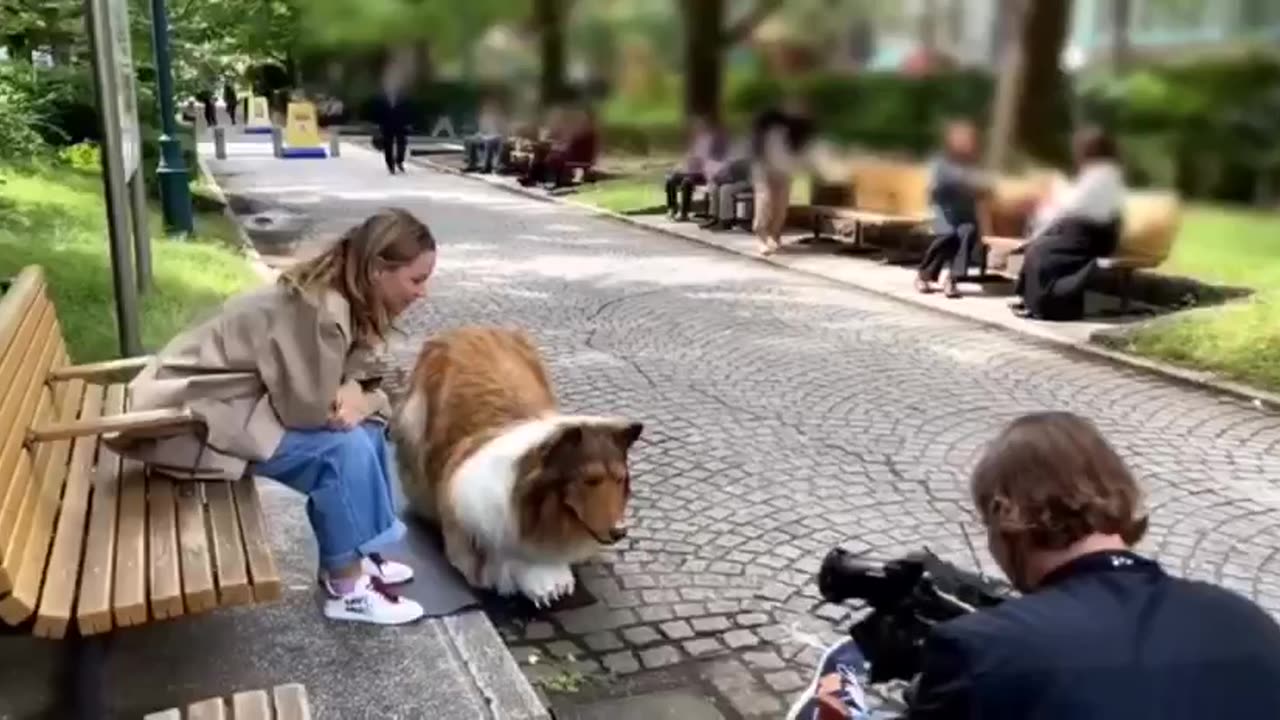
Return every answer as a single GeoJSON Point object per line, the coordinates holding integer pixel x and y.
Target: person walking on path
{"type": "Point", "coordinates": [393, 115]}
{"type": "Point", "coordinates": [230, 99]}
{"type": "Point", "coordinates": [279, 383]}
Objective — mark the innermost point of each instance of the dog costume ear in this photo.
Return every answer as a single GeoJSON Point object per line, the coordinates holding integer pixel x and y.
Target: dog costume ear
{"type": "Point", "coordinates": [564, 440]}
{"type": "Point", "coordinates": [626, 435]}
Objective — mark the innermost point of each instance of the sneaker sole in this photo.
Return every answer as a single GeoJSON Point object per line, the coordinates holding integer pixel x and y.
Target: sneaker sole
{"type": "Point", "coordinates": [367, 619]}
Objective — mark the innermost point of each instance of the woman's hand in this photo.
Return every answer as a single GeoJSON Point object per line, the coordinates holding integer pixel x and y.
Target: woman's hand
{"type": "Point", "coordinates": [350, 407]}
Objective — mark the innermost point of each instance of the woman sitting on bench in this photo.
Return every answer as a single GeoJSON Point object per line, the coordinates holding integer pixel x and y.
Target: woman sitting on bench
{"type": "Point", "coordinates": [278, 394]}
{"type": "Point", "coordinates": [1079, 224]}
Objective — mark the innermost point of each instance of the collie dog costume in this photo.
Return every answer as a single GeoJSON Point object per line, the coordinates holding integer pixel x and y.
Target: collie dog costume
{"type": "Point", "coordinates": [520, 490]}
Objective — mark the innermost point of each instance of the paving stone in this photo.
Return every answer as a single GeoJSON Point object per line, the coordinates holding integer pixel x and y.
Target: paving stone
{"type": "Point", "coordinates": [677, 629]}
{"type": "Point", "coordinates": [539, 630]}
{"type": "Point", "coordinates": [709, 624]}
{"type": "Point", "coordinates": [763, 660]}
{"type": "Point", "coordinates": [702, 646]}
{"type": "Point", "coordinates": [740, 638]}
{"type": "Point", "coordinates": [660, 656]}
{"type": "Point", "coordinates": [785, 681]}
{"type": "Point", "coordinates": [751, 619]}
{"type": "Point", "coordinates": [641, 635]}
{"type": "Point", "coordinates": [621, 663]}
{"type": "Point", "coordinates": [606, 640]}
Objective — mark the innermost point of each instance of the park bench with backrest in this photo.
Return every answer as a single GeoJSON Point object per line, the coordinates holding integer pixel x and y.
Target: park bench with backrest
{"type": "Point", "coordinates": [91, 543]}
{"type": "Point", "coordinates": [878, 193]}
{"type": "Point", "coordinates": [1148, 230]}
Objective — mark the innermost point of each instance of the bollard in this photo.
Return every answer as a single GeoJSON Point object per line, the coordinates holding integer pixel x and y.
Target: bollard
{"type": "Point", "coordinates": [220, 143]}
{"type": "Point", "coordinates": [334, 142]}
{"type": "Point", "coordinates": [277, 141]}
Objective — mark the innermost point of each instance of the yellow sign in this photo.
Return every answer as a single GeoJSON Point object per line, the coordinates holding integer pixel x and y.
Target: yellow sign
{"type": "Point", "coordinates": [300, 129]}
{"type": "Point", "coordinates": [259, 114]}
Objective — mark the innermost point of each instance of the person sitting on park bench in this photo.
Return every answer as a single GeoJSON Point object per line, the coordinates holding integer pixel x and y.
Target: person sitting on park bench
{"type": "Point", "coordinates": [484, 148]}
{"type": "Point", "coordinates": [726, 178]}
{"type": "Point", "coordinates": [708, 143]}
{"type": "Point", "coordinates": [574, 142]}
{"type": "Point", "coordinates": [955, 184]}
{"type": "Point", "coordinates": [276, 381]}
{"type": "Point", "coordinates": [1080, 224]}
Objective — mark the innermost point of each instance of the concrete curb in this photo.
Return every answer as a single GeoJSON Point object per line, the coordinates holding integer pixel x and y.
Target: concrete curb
{"type": "Point", "coordinates": [1260, 399]}
{"type": "Point", "coordinates": [260, 268]}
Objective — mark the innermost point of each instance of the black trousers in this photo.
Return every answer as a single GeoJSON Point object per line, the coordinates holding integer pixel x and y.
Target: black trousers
{"type": "Point", "coordinates": [954, 246]}
{"type": "Point", "coordinates": [231, 111]}
{"type": "Point", "coordinates": [395, 143]}
{"type": "Point", "coordinates": [683, 183]}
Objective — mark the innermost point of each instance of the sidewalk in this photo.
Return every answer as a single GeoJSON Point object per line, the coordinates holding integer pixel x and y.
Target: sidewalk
{"type": "Point", "coordinates": [986, 303]}
{"type": "Point", "coordinates": [453, 668]}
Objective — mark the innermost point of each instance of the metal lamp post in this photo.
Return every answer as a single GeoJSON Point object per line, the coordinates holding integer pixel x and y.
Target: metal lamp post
{"type": "Point", "coordinates": [175, 195]}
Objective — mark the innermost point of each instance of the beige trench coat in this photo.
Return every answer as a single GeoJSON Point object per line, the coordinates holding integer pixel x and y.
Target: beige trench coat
{"type": "Point", "coordinates": [271, 359]}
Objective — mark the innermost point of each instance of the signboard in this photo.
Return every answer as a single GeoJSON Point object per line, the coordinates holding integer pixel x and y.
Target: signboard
{"type": "Point", "coordinates": [259, 117]}
{"type": "Point", "coordinates": [301, 130]}
{"type": "Point", "coordinates": [123, 79]}
{"type": "Point", "coordinates": [301, 134]}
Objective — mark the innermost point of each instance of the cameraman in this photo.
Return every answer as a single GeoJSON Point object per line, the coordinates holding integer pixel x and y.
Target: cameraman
{"type": "Point", "coordinates": [1100, 632]}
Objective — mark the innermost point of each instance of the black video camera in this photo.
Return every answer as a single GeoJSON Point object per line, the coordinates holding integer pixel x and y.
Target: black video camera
{"type": "Point", "coordinates": [907, 596]}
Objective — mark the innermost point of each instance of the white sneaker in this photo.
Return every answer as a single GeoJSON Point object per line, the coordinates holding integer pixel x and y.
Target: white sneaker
{"type": "Point", "coordinates": [372, 602]}
{"type": "Point", "coordinates": [389, 572]}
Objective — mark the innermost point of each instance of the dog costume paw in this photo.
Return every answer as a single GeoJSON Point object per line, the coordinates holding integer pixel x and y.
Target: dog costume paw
{"type": "Point", "coordinates": [545, 584]}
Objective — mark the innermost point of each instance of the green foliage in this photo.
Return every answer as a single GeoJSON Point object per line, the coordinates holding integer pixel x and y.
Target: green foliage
{"type": "Point", "coordinates": [84, 156]}
{"type": "Point", "coordinates": [883, 110]}
{"type": "Point", "coordinates": [19, 141]}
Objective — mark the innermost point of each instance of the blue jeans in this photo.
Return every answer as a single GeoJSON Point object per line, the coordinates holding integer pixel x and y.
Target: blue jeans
{"type": "Point", "coordinates": [346, 476]}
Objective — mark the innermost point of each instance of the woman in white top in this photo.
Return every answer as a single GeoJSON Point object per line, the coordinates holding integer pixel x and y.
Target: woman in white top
{"type": "Point", "coordinates": [1080, 224]}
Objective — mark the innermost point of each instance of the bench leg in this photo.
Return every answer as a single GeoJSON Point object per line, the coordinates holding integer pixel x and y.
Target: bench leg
{"type": "Point", "coordinates": [1126, 290]}
{"type": "Point", "coordinates": [83, 687]}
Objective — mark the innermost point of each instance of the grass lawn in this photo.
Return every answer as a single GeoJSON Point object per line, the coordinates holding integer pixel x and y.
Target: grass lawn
{"type": "Point", "coordinates": [639, 186]}
{"type": "Point", "coordinates": [1242, 340]}
{"type": "Point", "coordinates": [55, 217]}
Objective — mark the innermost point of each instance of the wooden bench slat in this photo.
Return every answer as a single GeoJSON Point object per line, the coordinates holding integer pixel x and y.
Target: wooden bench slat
{"type": "Point", "coordinates": [64, 561]}
{"type": "Point", "coordinates": [193, 545]}
{"type": "Point", "coordinates": [34, 531]}
{"type": "Point", "coordinates": [251, 705]}
{"type": "Point", "coordinates": [93, 609]}
{"type": "Point", "coordinates": [16, 304]}
{"type": "Point", "coordinates": [16, 466]}
{"type": "Point", "coordinates": [129, 599]}
{"type": "Point", "coordinates": [228, 551]}
{"type": "Point", "coordinates": [211, 709]}
{"type": "Point", "coordinates": [291, 702]}
{"type": "Point", "coordinates": [262, 566]}
{"type": "Point", "coordinates": [164, 569]}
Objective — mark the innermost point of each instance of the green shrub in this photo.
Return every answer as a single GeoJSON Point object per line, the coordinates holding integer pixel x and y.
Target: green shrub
{"type": "Point", "coordinates": [85, 156]}
{"type": "Point", "coordinates": [19, 140]}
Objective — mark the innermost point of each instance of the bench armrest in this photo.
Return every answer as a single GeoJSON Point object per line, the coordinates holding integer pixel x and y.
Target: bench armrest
{"type": "Point", "coordinates": [145, 420]}
{"type": "Point", "coordinates": [100, 369]}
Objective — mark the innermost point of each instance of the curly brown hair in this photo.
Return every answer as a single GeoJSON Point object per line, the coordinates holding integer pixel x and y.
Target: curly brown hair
{"type": "Point", "coordinates": [1051, 477]}
{"type": "Point", "coordinates": [386, 240]}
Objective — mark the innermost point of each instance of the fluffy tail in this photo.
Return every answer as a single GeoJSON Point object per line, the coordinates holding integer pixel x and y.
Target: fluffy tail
{"type": "Point", "coordinates": [409, 431]}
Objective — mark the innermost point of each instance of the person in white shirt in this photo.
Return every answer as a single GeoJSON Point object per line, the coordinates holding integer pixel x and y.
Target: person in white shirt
{"type": "Point", "coordinates": [1078, 224]}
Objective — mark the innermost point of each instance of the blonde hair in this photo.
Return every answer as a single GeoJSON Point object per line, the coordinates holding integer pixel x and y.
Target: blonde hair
{"type": "Point", "coordinates": [1052, 478]}
{"type": "Point", "coordinates": [388, 239]}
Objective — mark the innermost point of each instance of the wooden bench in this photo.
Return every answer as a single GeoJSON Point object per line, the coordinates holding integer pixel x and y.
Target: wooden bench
{"type": "Point", "coordinates": [285, 702]}
{"type": "Point", "coordinates": [1149, 228]}
{"type": "Point", "coordinates": [880, 193]}
{"type": "Point", "coordinates": [90, 543]}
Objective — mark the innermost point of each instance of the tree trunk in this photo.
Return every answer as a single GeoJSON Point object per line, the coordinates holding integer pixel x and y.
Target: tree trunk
{"type": "Point", "coordinates": [1120, 14]}
{"type": "Point", "coordinates": [703, 57]}
{"type": "Point", "coordinates": [1043, 118]}
{"type": "Point", "coordinates": [549, 17]}
{"type": "Point", "coordinates": [1009, 20]}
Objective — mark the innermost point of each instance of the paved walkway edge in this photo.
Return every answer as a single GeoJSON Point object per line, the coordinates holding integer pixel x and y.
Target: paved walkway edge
{"type": "Point", "coordinates": [1261, 399]}
{"type": "Point", "coordinates": [493, 670]}
{"type": "Point", "coordinates": [260, 268]}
